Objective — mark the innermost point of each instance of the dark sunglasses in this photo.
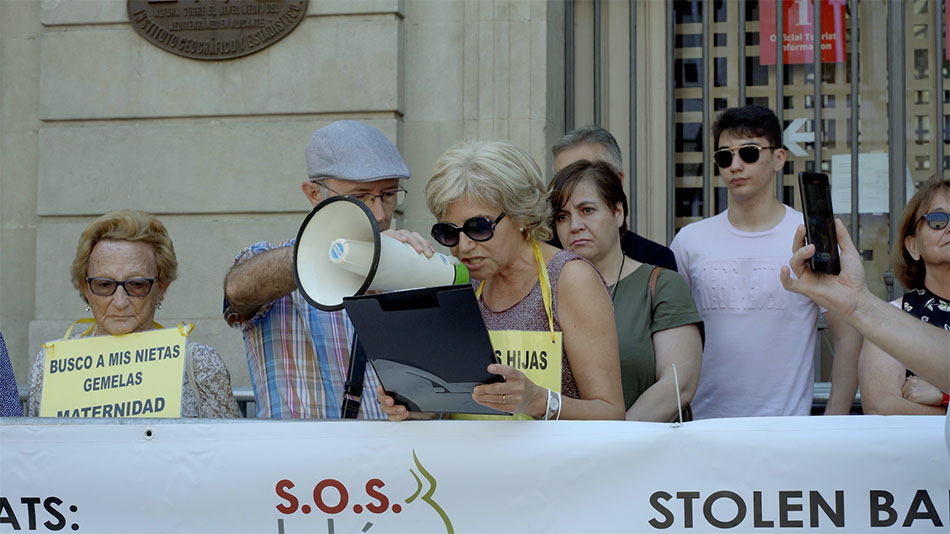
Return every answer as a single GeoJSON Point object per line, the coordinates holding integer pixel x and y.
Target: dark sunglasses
{"type": "Point", "coordinates": [748, 153]}
{"type": "Point", "coordinates": [134, 287]}
{"type": "Point", "coordinates": [476, 228]}
{"type": "Point", "coordinates": [936, 220]}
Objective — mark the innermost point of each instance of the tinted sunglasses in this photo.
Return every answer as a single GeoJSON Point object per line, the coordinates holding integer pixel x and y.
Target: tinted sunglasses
{"type": "Point", "coordinates": [748, 153]}
{"type": "Point", "coordinates": [134, 287]}
{"type": "Point", "coordinates": [936, 220]}
{"type": "Point", "coordinates": [476, 228]}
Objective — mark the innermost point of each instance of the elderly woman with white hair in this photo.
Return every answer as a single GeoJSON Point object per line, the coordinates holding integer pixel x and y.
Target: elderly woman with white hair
{"type": "Point", "coordinates": [494, 215]}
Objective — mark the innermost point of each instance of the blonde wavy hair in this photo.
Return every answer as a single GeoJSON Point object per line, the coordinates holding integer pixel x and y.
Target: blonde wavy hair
{"type": "Point", "coordinates": [125, 225]}
{"type": "Point", "coordinates": [495, 172]}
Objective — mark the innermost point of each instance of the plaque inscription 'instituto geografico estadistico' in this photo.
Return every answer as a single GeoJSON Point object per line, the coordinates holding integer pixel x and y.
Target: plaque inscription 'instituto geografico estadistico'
{"type": "Point", "coordinates": [215, 29]}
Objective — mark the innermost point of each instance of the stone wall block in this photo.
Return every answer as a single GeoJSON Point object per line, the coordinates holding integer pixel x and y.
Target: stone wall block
{"type": "Point", "coordinates": [326, 65]}
{"type": "Point", "coordinates": [519, 133]}
{"type": "Point", "coordinates": [434, 73]}
{"type": "Point", "coordinates": [486, 69]}
{"type": "Point", "coordinates": [434, 12]}
{"type": "Point", "coordinates": [186, 167]}
{"type": "Point", "coordinates": [501, 74]}
{"type": "Point", "coordinates": [520, 60]}
{"type": "Point", "coordinates": [19, 20]}
{"type": "Point", "coordinates": [16, 291]}
{"type": "Point", "coordinates": [20, 81]}
{"type": "Point", "coordinates": [538, 72]}
{"type": "Point", "coordinates": [470, 56]}
{"type": "Point", "coordinates": [539, 147]}
{"type": "Point", "coordinates": [17, 166]}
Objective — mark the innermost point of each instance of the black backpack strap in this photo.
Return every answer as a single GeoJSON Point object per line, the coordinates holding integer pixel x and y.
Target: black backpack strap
{"type": "Point", "coordinates": [353, 387]}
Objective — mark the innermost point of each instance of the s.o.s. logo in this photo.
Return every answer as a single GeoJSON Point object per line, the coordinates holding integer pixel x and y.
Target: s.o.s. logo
{"type": "Point", "coordinates": [369, 501]}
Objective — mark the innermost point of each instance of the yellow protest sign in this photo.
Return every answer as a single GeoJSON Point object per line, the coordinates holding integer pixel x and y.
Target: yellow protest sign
{"type": "Point", "coordinates": [132, 375]}
{"type": "Point", "coordinates": [536, 354]}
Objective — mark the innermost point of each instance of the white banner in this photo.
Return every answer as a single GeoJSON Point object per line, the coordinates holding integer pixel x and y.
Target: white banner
{"type": "Point", "coordinates": [821, 474]}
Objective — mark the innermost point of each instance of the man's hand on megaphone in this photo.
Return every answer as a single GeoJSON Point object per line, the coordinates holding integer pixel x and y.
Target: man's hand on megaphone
{"type": "Point", "coordinates": [418, 242]}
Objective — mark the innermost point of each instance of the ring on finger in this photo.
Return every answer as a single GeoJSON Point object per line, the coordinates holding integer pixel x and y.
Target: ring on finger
{"type": "Point", "coordinates": [504, 398]}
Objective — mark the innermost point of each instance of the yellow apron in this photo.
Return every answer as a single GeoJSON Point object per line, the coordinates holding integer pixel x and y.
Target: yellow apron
{"type": "Point", "coordinates": [536, 354]}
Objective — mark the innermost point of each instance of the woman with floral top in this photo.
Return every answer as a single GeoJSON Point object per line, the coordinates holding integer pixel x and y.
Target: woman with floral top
{"type": "Point", "coordinates": [921, 261]}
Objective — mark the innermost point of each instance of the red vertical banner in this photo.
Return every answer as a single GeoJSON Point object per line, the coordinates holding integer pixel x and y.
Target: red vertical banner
{"type": "Point", "coordinates": [799, 35]}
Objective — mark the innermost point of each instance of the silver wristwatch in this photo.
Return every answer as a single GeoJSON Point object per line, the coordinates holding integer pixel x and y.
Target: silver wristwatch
{"type": "Point", "coordinates": [553, 410]}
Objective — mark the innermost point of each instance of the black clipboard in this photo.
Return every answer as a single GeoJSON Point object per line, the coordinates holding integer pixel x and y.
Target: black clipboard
{"type": "Point", "coordinates": [428, 346]}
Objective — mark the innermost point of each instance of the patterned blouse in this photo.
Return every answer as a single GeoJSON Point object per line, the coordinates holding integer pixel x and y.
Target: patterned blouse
{"type": "Point", "coordinates": [213, 383]}
{"type": "Point", "coordinates": [9, 398]}
{"type": "Point", "coordinates": [928, 307]}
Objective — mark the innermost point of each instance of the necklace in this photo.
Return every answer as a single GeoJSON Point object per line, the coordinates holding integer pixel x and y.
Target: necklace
{"type": "Point", "coordinates": [613, 292]}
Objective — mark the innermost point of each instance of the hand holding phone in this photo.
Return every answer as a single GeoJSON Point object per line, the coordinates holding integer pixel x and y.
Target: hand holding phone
{"type": "Point", "coordinates": [819, 222]}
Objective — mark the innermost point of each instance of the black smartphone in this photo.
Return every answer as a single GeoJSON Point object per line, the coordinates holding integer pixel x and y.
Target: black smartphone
{"type": "Point", "coordinates": [819, 222]}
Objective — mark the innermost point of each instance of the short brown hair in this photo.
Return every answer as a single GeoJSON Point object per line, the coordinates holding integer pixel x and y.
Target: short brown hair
{"type": "Point", "coordinates": [909, 271]}
{"type": "Point", "coordinates": [126, 225]}
{"type": "Point", "coordinates": [602, 175]}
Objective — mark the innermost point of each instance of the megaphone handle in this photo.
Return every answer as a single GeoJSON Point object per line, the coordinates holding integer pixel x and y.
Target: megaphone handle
{"type": "Point", "coordinates": [353, 387]}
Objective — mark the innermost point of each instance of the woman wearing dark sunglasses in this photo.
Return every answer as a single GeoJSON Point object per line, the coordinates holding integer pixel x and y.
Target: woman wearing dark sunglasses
{"type": "Point", "coordinates": [921, 261]}
{"type": "Point", "coordinates": [124, 263]}
{"type": "Point", "coordinates": [547, 310]}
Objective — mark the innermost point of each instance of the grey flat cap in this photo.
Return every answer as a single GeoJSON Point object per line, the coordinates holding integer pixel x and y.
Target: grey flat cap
{"type": "Point", "coordinates": [353, 151]}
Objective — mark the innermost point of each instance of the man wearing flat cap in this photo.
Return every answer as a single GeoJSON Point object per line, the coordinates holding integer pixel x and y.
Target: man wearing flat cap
{"type": "Point", "coordinates": [299, 355]}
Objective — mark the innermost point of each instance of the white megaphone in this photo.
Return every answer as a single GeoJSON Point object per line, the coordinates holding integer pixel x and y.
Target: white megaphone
{"type": "Point", "coordinates": [340, 252]}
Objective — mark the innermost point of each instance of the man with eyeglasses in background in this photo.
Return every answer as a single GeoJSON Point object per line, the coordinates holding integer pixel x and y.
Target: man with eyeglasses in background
{"type": "Point", "coordinates": [299, 355]}
{"type": "Point", "coordinates": [594, 143]}
{"type": "Point", "coordinates": [760, 338]}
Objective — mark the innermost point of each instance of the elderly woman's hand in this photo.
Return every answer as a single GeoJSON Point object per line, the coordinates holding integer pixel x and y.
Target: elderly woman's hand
{"type": "Point", "coordinates": [397, 412]}
{"type": "Point", "coordinates": [921, 392]}
{"type": "Point", "coordinates": [517, 394]}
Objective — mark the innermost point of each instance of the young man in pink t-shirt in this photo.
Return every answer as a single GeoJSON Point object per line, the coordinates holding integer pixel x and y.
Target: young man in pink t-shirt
{"type": "Point", "coordinates": [760, 338]}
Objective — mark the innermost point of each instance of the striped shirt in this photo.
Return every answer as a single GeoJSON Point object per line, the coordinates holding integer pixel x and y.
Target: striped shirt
{"type": "Point", "coordinates": [298, 356]}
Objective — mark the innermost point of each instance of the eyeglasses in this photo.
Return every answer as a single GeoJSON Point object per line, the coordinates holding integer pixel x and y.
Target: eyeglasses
{"type": "Point", "coordinates": [134, 287]}
{"type": "Point", "coordinates": [388, 198]}
{"type": "Point", "coordinates": [748, 153]}
{"type": "Point", "coordinates": [936, 220]}
{"type": "Point", "coordinates": [476, 228]}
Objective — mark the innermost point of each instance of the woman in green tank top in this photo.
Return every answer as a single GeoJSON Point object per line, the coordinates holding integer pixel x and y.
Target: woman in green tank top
{"type": "Point", "coordinates": [658, 326]}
